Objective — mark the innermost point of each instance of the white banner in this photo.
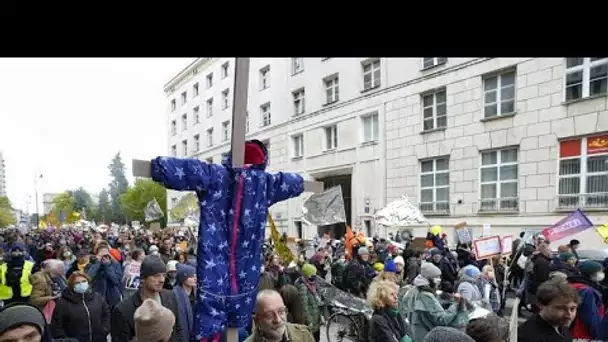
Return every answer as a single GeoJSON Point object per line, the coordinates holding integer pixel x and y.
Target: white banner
{"type": "Point", "coordinates": [399, 213]}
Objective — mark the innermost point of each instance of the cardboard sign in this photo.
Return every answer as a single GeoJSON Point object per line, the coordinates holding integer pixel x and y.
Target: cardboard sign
{"type": "Point", "coordinates": [134, 280]}
{"type": "Point", "coordinates": [487, 247]}
{"type": "Point", "coordinates": [463, 233]}
{"type": "Point", "coordinates": [417, 244]}
{"type": "Point", "coordinates": [507, 244]}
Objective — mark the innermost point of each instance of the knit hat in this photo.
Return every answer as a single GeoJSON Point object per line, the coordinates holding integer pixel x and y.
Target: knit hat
{"type": "Point", "coordinates": [363, 251]}
{"type": "Point", "coordinates": [565, 256]}
{"type": "Point", "coordinates": [399, 260]}
{"type": "Point", "coordinates": [21, 314]}
{"type": "Point", "coordinates": [429, 271]}
{"type": "Point", "coordinates": [152, 265]}
{"type": "Point", "coordinates": [390, 266]}
{"type": "Point", "coordinates": [590, 267]}
{"type": "Point", "coordinates": [172, 265]}
{"type": "Point", "coordinates": [379, 267]}
{"type": "Point", "coordinates": [17, 246]}
{"type": "Point", "coordinates": [471, 271]}
{"type": "Point", "coordinates": [153, 322]}
{"type": "Point", "coordinates": [435, 251]}
{"type": "Point", "coordinates": [184, 272]}
{"type": "Point", "coordinates": [309, 270]}
{"type": "Point", "coordinates": [447, 334]}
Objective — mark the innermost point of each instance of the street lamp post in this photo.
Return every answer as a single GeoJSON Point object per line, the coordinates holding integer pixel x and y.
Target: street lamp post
{"type": "Point", "coordinates": [36, 176]}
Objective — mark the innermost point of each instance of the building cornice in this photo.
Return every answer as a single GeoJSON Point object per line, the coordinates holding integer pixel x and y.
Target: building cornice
{"type": "Point", "coordinates": [187, 73]}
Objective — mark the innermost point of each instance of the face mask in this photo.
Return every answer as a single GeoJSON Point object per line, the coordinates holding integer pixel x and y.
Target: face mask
{"type": "Point", "coordinates": [437, 281]}
{"type": "Point", "coordinates": [262, 269]}
{"type": "Point", "coordinates": [67, 254]}
{"type": "Point", "coordinates": [81, 288]}
{"type": "Point", "coordinates": [599, 277]}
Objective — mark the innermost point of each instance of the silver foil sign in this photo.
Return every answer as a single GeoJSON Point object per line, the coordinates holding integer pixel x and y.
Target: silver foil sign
{"type": "Point", "coordinates": [324, 208]}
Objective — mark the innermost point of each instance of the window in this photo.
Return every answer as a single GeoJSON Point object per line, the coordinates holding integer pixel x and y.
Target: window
{"type": "Point", "coordinates": [247, 122]}
{"type": "Point", "coordinates": [173, 127]}
{"type": "Point", "coordinates": [209, 160]}
{"type": "Point", "coordinates": [368, 227]}
{"type": "Point", "coordinates": [225, 69]}
{"type": "Point", "coordinates": [196, 111]}
{"type": "Point", "coordinates": [184, 98]}
{"type": "Point", "coordinates": [209, 79]}
{"type": "Point", "coordinates": [434, 110]}
{"type": "Point", "coordinates": [430, 62]}
{"type": "Point", "coordinates": [499, 180]}
{"type": "Point", "coordinates": [371, 74]}
{"type": "Point", "coordinates": [265, 77]}
{"type": "Point", "coordinates": [173, 151]}
{"type": "Point", "coordinates": [298, 225]}
{"type": "Point", "coordinates": [332, 91]}
{"type": "Point", "coordinates": [210, 137]}
{"type": "Point", "coordinates": [586, 77]}
{"type": "Point", "coordinates": [184, 147]}
{"type": "Point", "coordinates": [265, 115]}
{"type": "Point", "coordinates": [225, 97]}
{"type": "Point", "coordinates": [195, 90]}
{"type": "Point", "coordinates": [210, 107]}
{"type": "Point", "coordinates": [267, 145]}
{"type": "Point", "coordinates": [435, 185]}
{"type": "Point", "coordinates": [173, 201]}
{"type": "Point", "coordinates": [225, 130]}
{"type": "Point", "coordinates": [197, 143]}
{"type": "Point", "coordinates": [583, 173]}
{"type": "Point", "coordinates": [173, 106]}
{"type": "Point", "coordinates": [331, 137]}
{"type": "Point", "coordinates": [297, 65]}
{"type": "Point", "coordinates": [184, 122]}
{"type": "Point", "coordinates": [370, 127]}
{"type": "Point", "coordinates": [195, 71]}
{"type": "Point", "coordinates": [298, 145]}
{"type": "Point", "coordinates": [298, 101]}
{"type": "Point", "coordinates": [499, 93]}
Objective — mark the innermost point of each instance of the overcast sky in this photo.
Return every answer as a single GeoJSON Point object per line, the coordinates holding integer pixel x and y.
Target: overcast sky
{"type": "Point", "coordinates": [67, 118]}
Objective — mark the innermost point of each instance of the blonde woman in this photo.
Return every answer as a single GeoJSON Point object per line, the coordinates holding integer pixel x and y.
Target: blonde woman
{"type": "Point", "coordinates": [387, 324]}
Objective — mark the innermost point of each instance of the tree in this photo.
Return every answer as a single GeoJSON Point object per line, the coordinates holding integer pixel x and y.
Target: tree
{"type": "Point", "coordinates": [118, 186]}
{"type": "Point", "coordinates": [7, 217]}
{"type": "Point", "coordinates": [135, 200]}
{"type": "Point", "coordinates": [83, 201]}
{"type": "Point", "coordinates": [63, 205]}
{"type": "Point", "coordinates": [103, 208]}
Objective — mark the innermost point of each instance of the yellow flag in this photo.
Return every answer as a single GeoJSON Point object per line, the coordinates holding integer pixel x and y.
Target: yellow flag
{"type": "Point", "coordinates": [280, 246]}
{"type": "Point", "coordinates": [603, 231]}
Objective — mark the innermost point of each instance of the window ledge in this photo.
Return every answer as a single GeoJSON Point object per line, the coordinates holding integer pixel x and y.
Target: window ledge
{"type": "Point", "coordinates": [331, 150]}
{"type": "Point", "coordinates": [262, 89]}
{"type": "Point", "coordinates": [440, 129]}
{"type": "Point", "coordinates": [370, 143]}
{"type": "Point", "coordinates": [297, 72]}
{"type": "Point", "coordinates": [370, 89]}
{"type": "Point", "coordinates": [435, 214]}
{"type": "Point", "coordinates": [297, 158]}
{"type": "Point", "coordinates": [330, 103]}
{"type": "Point", "coordinates": [569, 210]}
{"type": "Point", "coordinates": [569, 102]}
{"type": "Point", "coordinates": [498, 117]}
{"type": "Point", "coordinates": [497, 212]}
{"type": "Point", "coordinates": [432, 67]}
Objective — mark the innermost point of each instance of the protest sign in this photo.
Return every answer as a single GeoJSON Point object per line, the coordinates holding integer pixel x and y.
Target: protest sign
{"type": "Point", "coordinates": [506, 243]}
{"type": "Point", "coordinates": [324, 208]}
{"type": "Point", "coordinates": [134, 279]}
{"type": "Point", "coordinates": [575, 223]}
{"type": "Point", "coordinates": [487, 230]}
{"type": "Point", "coordinates": [487, 247]}
{"type": "Point", "coordinates": [399, 213]}
{"type": "Point", "coordinates": [463, 233]}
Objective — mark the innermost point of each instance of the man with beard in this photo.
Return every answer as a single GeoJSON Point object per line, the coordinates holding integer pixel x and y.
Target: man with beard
{"type": "Point", "coordinates": [557, 304]}
{"type": "Point", "coordinates": [271, 324]}
{"type": "Point", "coordinates": [15, 286]}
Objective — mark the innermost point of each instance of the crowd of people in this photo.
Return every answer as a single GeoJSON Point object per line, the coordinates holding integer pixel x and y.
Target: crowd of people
{"type": "Point", "coordinates": [139, 285]}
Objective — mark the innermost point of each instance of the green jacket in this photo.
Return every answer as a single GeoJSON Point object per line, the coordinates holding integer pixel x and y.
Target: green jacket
{"type": "Point", "coordinates": [310, 305]}
{"type": "Point", "coordinates": [424, 312]}
{"type": "Point", "coordinates": [295, 333]}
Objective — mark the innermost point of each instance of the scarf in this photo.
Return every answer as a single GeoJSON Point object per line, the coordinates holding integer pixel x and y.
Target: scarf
{"type": "Point", "coordinates": [185, 311]}
{"type": "Point", "coordinates": [310, 285]}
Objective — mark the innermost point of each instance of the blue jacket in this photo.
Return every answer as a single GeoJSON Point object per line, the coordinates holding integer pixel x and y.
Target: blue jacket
{"type": "Point", "coordinates": [233, 207]}
{"type": "Point", "coordinates": [106, 279]}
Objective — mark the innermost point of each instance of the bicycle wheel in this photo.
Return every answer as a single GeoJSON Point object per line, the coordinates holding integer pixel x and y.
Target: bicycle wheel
{"type": "Point", "coordinates": [341, 327]}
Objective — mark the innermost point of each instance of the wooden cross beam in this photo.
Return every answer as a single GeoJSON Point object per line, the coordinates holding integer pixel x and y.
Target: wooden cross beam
{"type": "Point", "coordinates": [142, 168]}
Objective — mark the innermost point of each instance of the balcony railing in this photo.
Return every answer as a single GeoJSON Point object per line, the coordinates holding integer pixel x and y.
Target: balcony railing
{"type": "Point", "coordinates": [439, 208]}
{"type": "Point", "coordinates": [506, 204]}
{"type": "Point", "coordinates": [588, 201]}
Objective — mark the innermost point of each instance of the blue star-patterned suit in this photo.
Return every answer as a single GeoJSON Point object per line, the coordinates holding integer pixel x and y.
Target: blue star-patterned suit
{"type": "Point", "coordinates": [233, 207]}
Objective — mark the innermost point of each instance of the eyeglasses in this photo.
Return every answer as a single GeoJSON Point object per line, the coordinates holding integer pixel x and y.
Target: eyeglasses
{"type": "Point", "coordinates": [268, 315]}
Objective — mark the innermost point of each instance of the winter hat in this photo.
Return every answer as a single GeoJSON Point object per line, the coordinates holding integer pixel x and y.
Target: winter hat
{"type": "Point", "coordinates": [21, 314]}
{"type": "Point", "coordinates": [172, 265]}
{"type": "Point", "coordinates": [429, 271]}
{"type": "Point", "coordinates": [435, 251]}
{"type": "Point", "coordinates": [17, 246]}
{"type": "Point", "coordinates": [590, 267]}
{"type": "Point", "coordinates": [399, 260]}
{"type": "Point", "coordinates": [565, 256]}
{"type": "Point", "coordinates": [184, 272]}
{"type": "Point", "coordinates": [309, 270]}
{"type": "Point", "coordinates": [378, 267]}
{"type": "Point", "coordinates": [390, 266]}
{"type": "Point", "coordinates": [152, 265]}
{"type": "Point", "coordinates": [447, 334]}
{"type": "Point", "coordinates": [363, 251]}
{"type": "Point", "coordinates": [152, 249]}
{"type": "Point", "coordinates": [153, 322]}
{"type": "Point", "coordinates": [471, 271]}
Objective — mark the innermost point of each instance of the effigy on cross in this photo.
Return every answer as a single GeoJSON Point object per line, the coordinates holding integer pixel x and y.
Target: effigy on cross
{"type": "Point", "coordinates": [234, 199]}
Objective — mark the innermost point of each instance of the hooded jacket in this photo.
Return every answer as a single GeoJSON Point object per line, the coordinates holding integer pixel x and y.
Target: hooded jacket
{"type": "Point", "coordinates": [233, 207]}
{"type": "Point", "coordinates": [83, 317]}
{"type": "Point", "coordinates": [590, 318]}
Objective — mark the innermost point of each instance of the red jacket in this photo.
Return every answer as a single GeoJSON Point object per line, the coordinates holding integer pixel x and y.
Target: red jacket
{"type": "Point", "coordinates": [579, 329]}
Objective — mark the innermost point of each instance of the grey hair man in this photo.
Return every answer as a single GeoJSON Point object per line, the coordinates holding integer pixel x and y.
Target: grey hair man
{"type": "Point", "coordinates": [270, 321]}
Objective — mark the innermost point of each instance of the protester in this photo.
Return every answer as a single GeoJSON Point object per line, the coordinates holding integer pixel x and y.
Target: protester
{"type": "Point", "coordinates": [15, 286]}
{"type": "Point", "coordinates": [170, 279]}
{"type": "Point", "coordinates": [307, 290]}
{"type": "Point", "coordinates": [81, 313]}
{"type": "Point", "coordinates": [386, 324]}
{"type": "Point", "coordinates": [270, 321]}
{"type": "Point", "coordinates": [358, 273]}
{"type": "Point", "coordinates": [446, 334]}
{"type": "Point", "coordinates": [488, 329]}
{"type": "Point", "coordinates": [21, 322]}
{"type": "Point", "coordinates": [153, 322]}
{"type": "Point", "coordinates": [295, 309]}
{"type": "Point", "coordinates": [82, 262]}
{"type": "Point", "coordinates": [48, 283]}
{"type": "Point", "coordinates": [106, 275]}
{"type": "Point", "coordinates": [589, 322]}
{"type": "Point", "coordinates": [185, 293]}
